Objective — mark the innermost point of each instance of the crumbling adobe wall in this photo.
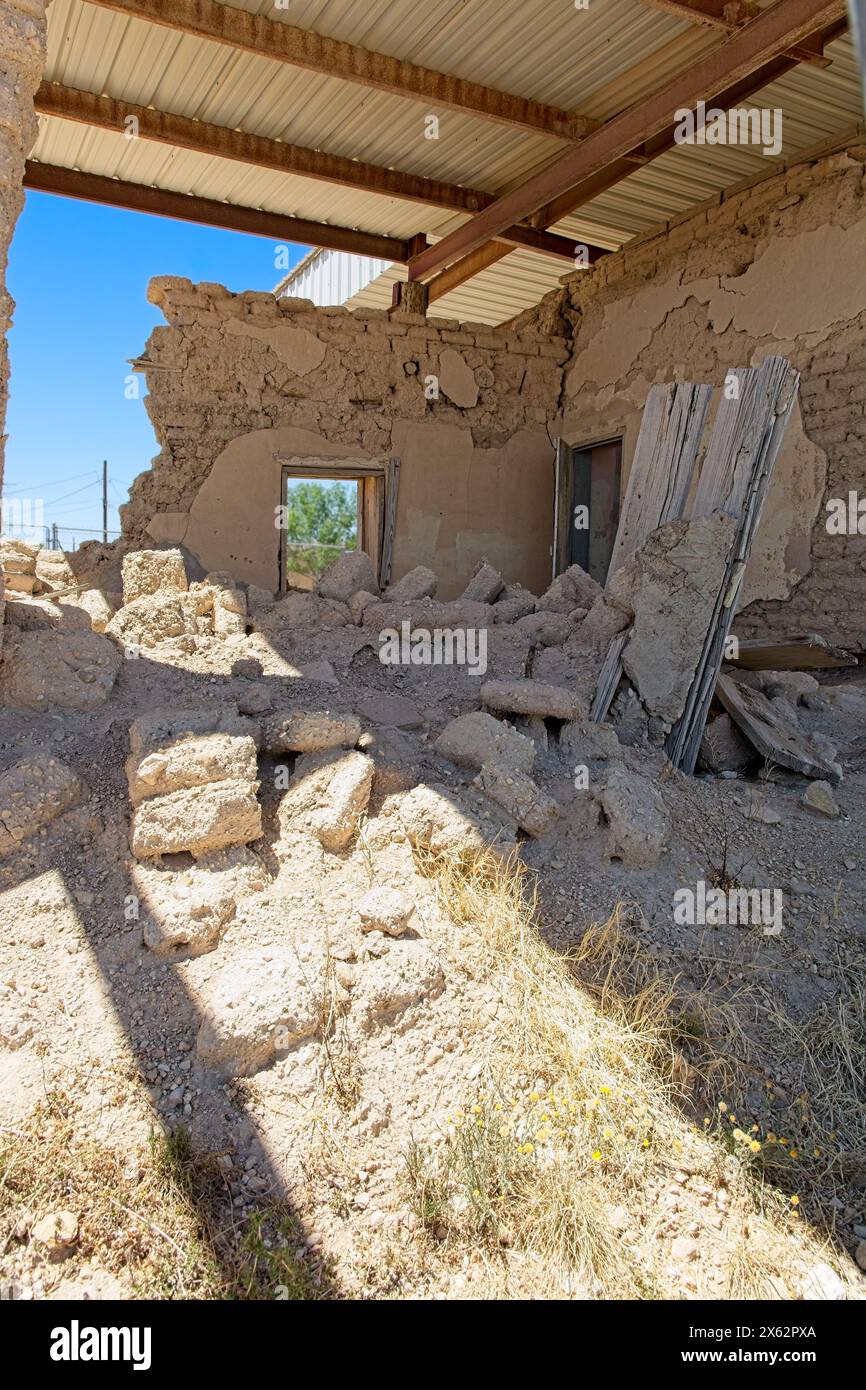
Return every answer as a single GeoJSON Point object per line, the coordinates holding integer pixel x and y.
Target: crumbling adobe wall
{"type": "Point", "coordinates": [235, 378]}
{"type": "Point", "coordinates": [22, 59]}
{"type": "Point", "coordinates": [778, 266]}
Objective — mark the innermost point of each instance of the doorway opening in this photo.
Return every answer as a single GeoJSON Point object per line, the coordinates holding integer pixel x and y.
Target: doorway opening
{"type": "Point", "coordinates": [588, 478]}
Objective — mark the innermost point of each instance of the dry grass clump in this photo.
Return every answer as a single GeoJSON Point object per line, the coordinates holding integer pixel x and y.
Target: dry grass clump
{"type": "Point", "coordinates": [578, 1146]}
{"type": "Point", "coordinates": [160, 1219]}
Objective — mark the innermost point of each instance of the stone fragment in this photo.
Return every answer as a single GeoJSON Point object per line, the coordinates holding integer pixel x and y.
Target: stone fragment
{"type": "Point", "coordinates": [574, 588]}
{"type": "Point", "coordinates": [259, 1008]}
{"type": "Point", "coordinates": [188, 910]}
{"type": "Point", "coordinates": [358, 603]}
{"type": "Point", "coordinates": [386, 910]}
{"type": "Point", "coordinates": [156, 617]}
{"type": "Point", "coordinates": [229, 612]}
{"type": "Point", "coordinates": [31, 614]}
{"type": "Point", "coordinates": [819, 797]}
{"type": "Point", "coordinates": [438, 818]}
{"type": "Point", "coordinates": [531, 697]}
{"type": "Point", "coordinates": [395, 710]}
{"type": "Point", "coordinates": [152, 732]}
{"type": "Point", "coordinates": [518, 795]}
{"type": "Point", "coordinates": [792, 685]}
{"type": "Point", "coordinates": [197, 819]}
{"type": "Point", "coordinates": [309, 731]}
{"type": "Point", "coordinates": [351, 571]}
{"type": "Point", "coordinates": [58, 1231]}
{"type": "Point", "coordinates": [148, 571]}
{"type": "Point", "coordinates": [96, 606]}
{"type": "Point", "coordinates": [637, 822]}
{"type": "Point", "coordinates": [191, 762]}
{"type": "Point", "coordinates": [407, 973]}
{"type": "Point", "coordinates": [419, 583]}
{"type": "Point", "coordinates": [45, 668]}
{"type": "Point", "coordinates": [485, 585]}
{"type": "Point", "coordinates": [513, 602]}
{"type": "Point", "coordinates": [472, 739]}
{"type": "Point", "coordinates": [348, 794]}
{"type": "Point", "coordinates": [33, 792]}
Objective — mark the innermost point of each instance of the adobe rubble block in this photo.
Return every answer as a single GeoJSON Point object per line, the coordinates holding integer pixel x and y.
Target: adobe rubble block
{"type": "Point", "coordinates": [154, 731]}
{"type": "Point", "coordinates": [191, 762]}
{"type": "Point", "coordinates": [54, 571]}
{"type": "Point", "coordinates": [18, 563]}
{"type": "Point", "coordinates": [155, 618]}
{"type": "Point", "coordinates": [148, 571]}
{"type": "Point", "coordinates": [671, 585]}
{"type": "Point", "coordinates": [33, 792]}
{"type": "Point", "coordinates": [472, 739]}
{"type": "Point", "coordinates": [532, 697]}
{"type": "Point", "coordinates": [420, 582]}
{"type": "Point", "coordinates": [637, 821]}
{"type": "Point", "coordinates": [438, 818]}
{"type": "Point", "coordinates": [349, 573]}
{"type": "Point", "coordinates": [574, 588]}
{"type": "Point", "coordinates": [406, 973]}
{"type": "Point", "coordinates": [789, 685]}
{"type": "Point", "coordinates": [310, 731]}
{"type": "Point", "coordinates": [258, 1008]}
{"type": "Point", "coordinates": [188, 910]}
{"type": "Point", "coordinates": [50, 667]}
{"type": "Point", "coordinates": [327, 796]}
{"type": "Point", "coordinates": [485, 585]}
{"type": "Point", "coordinates": [30, 614]}
{"type": "Point", "coordinates": [517, 794]}
{"type": "Point", "coordinates": [229, 611]}
{"type": "Point", "coordinates": [513, 602]}
{"type": "Point", "coordinates": [96, 606]}
{"type": "Point", "coordinates": [300, 610]}
{"type": "Point", "coordinates": [386, 910]}
{"type": "Point", "coordinates": [197, 820]}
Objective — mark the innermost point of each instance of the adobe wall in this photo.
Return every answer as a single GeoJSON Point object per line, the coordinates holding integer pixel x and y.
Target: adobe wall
{"type": "Point", "coordinates": [22, 59]}
{"type": "Point", "coordinates": [778, 266]}
{"type": "Point", "coordinates": [234, 379]}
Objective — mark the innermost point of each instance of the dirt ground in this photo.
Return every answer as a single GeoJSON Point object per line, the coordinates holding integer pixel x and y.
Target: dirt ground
{"type": "Point", "coordinates": [761, 1034]}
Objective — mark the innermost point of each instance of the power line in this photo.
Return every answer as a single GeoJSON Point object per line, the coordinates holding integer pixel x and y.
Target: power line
{"type": "Point", "coordinates": [33, 487]}
{"type": "Point", "coordinates": [54, 500]}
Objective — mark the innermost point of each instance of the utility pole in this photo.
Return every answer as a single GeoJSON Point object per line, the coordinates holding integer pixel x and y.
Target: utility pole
{"type": "Point", "coordinates": [105, 500]}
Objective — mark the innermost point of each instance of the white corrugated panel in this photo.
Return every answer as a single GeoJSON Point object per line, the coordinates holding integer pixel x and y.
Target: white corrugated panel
{"type": "Point", "coordinates": [331, 277]}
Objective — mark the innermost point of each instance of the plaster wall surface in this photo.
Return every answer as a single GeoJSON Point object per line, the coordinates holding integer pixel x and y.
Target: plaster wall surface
{"type": "Point", "coordinates": [778, 266]}
{"type": "Point", "coordinates": [234, 380]}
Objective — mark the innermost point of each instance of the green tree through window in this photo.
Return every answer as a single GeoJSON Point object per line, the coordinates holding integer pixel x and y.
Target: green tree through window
{"type": "Point", "coordinates": [321, 522]}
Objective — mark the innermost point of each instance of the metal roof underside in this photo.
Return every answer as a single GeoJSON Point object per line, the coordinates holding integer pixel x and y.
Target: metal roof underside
{"type": "Point", "coordinates": [596, 61]}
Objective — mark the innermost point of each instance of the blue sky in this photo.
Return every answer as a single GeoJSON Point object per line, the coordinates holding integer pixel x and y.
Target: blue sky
{"type": "Point", "coordinates": [78, 274]}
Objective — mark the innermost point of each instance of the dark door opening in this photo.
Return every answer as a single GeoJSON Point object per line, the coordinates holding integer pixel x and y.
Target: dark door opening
{"type": "Point", "coordinates": [587, 506]}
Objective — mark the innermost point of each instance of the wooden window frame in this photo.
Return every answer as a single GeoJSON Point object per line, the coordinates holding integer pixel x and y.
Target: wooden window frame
{"type": "Point", "coordinates": [378, 482]}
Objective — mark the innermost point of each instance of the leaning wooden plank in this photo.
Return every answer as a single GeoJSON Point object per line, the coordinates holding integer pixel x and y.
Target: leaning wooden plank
{"type": "Point", "coordinates": [658, 488]}
{"type": "Point", "coordinates": [609, 678]}
{"type": "Point", "coordinates": [808, 653]}
{"type": "Point", "coordinates": [745, 441]}
{"type": "Point", "coordinates": [663, 465]}
{"type": "Point", "coordinates": [773, 736]}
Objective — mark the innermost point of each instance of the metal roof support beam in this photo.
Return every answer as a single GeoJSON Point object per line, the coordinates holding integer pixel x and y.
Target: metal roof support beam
{"type": "Point", "coordinates": [106, 113]}
{"type": "Point", "coordinates": [139, 197]}
{"type": "Point", "coordinates": [769, 36]}
{"type": "Point", "coordinates": [728, 15]}
{"type": "Point", "coordinates": [286, 43]}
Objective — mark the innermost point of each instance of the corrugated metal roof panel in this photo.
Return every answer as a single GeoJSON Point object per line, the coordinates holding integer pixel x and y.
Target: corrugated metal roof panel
{"type": "Point", "coordinates": [598, 61]}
